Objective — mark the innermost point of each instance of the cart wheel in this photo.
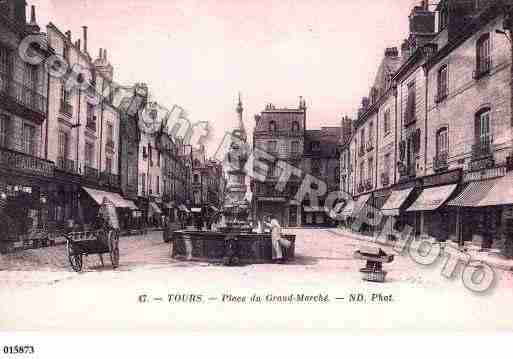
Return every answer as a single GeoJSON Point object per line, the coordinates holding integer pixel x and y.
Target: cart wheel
{"type": "Point", "coordinates": [114, 248]}
{"type": "Point", "coordinates": [74, 259]}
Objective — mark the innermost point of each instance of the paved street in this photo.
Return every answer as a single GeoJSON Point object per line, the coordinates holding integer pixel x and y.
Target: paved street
{"type": "Point", "coordinates": [38, 290]}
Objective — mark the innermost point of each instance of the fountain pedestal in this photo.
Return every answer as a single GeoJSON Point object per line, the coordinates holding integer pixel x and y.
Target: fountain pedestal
{"type": "Point", "coordinates": [216, 246]}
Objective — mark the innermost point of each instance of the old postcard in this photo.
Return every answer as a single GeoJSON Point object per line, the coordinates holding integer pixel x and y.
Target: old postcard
{"type": "Point", "coordinates": [255, 165]}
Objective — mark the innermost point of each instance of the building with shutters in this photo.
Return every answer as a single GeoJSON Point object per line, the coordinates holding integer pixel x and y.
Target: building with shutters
{"type": "Point", "coordinates": [442, 128]}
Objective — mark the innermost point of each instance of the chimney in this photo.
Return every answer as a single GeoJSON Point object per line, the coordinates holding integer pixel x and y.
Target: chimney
{"type": "Point", "coordinates": [84, 28]}
{"type": "Point", "coordinates": [100, 53]}
{"type": "Point", "coordinates": [391, 52]}
{"type": "Point", "coordinates": [77, 44]}
{"type": "Point", "coordinates": [68, 35]}
{"type": "Point", "coordinates": [105, 54]}
{"type": "Point", "coordinates": [422, 21]}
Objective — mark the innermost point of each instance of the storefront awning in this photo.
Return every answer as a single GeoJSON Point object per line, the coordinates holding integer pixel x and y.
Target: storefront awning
{"type": "Point", "coordinates": [115, 198]}
{"type": "Point", "coordinates": [336, 211]}
{"type": "Point", "coordinates": [432, 198]}
{"type": "Point", "coordinates": [353, 208]}
{"type": "Point", "coordinates": [196, 210]}
{"type": "Point", "coordinates": [393, 205]}
{"type": "Point", "coordinates": [473, 193]}
{"type": "Point", "coordinates": [500, 194]}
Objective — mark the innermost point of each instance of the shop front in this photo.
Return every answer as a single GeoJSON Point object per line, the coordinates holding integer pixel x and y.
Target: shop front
{"type": "Point", "coordinates": [25, 187]}
{"type": "Point", "coordinates": [484, 211]}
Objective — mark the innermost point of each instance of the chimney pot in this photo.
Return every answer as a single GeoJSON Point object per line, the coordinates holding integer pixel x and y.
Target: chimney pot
{"type": "Point", "coordinates": [68, 35]}
{"type": "Point", "coordinates": [100, 53]}
{"type": "Point", "coordinates": [105, 54]}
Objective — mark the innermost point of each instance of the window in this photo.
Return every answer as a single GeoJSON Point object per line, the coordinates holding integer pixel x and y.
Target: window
{"type": "Point", "coordinates": [196, 178]}
{"type": "Point", "coordinates": [443, 18]}
{"type": "Point", "coordinates": [370, 172]}
{"type": "Point", "coordinates": [158, 158]}
{"type": "Point", "coordinates": [362, 171]}
{"type": "Point", "coordinates": [371, 131]}
{"type": "Point", "coordinates": [295, 147]}
{"type": "Point", "coordinates": [5, 63]}
{"type": "Point", "coordinates": [90, 117]}
{"type": "Point", "coordinates": [272, 126]}
{"type": "Point", "coordinates": [316, 167]}
{"type": "Point", "coordinates": [110, 134]}
{"type": "Point", "coordinates": [386, 122]}
{"type": "Point", "coordinates": [483, 60]}
{"type": "Point", "coordinates": [108, 164]}
{"type": "Point", "coordinates": [63, 145]}
{"type": "Point", "coordinates": [295, 126]}
{"type": "Point", "coordinates": [271, 146]}
{"type": "Point", "coordinates": [4, 131]}
{"type": "Point", "coordinates": [89, 154]}
{"type": "Point", "coordinates": [143, 183]}
{"type": "Point", "coordinates": [30, 77]}
{"type": "Point", "coordinates": [29, 139]}
{"type": "Point", "coordinates": [442, 142]}
{"type": "Point", "coordinates": [315, 146]}
{"type": "Point", "coordinates": [387, 164]}
{"type": "Point", "coordinates": [483, 129]}
{"type": "Point", "coordinates": [442, 84]}
{"type": "Point", "coordinates": [150, 189]}
{"type": "Point", "coordinates": [411, 105]}
{"type": "Point", "coordinates": [157, 184]}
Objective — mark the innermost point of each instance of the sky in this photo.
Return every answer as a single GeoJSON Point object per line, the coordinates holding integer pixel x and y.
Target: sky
{"type": "Point", "coordinates": [201, 54]}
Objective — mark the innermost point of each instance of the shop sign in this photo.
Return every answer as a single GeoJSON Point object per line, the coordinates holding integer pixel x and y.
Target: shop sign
{"type": "Point", "coordinates": [442, 178]}
{"type": "Point", "coordinates": [485, 174]}
{"type": "Point", "coordinates": [25, 163]}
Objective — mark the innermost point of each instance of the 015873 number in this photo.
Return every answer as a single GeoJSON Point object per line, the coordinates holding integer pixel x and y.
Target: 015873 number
{"type": "Point", "coordinates": [18, 349]}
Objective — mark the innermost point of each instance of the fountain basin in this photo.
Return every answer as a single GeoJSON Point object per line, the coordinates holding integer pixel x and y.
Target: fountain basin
{"type": "Point", "coordinates": [215, 246]}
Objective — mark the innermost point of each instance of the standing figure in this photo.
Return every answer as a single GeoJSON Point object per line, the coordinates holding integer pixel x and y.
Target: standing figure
{"type": "Point", "coordinates": [277, 240]}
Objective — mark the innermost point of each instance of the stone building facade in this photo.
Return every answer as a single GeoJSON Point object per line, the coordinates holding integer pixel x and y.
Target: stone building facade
{"type": "Point", "coordinates": [448, 113]}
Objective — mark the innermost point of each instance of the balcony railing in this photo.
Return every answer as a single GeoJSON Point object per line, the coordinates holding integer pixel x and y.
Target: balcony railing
{"type": "Point", "coordinates": [109, 179]}
{"type": "Point", "coordinates": [90, 172]}
{"type": "Point", "coordinates": [441, 161]}
{"type": "Point", "coordinates": [406, 172]}
{"type": "Point", "coordinates": [66, 108]}
{"type": "Point", "coordinates": [67, 165]}
{"type": "Point", "coordinates": [482, 148]}
{"type": "Point", "coordinates": [385, 179]}
{"type": "Point", "coordinates": [368, 184]}
{"type": "Point", "coordinates": [91, 123]}
{"type": "Point", "coordinates": [18, 161]}
{"type": "Point", "coordinates": [22, 95]}
{"type": "Point", "coordinates": [482, 69]}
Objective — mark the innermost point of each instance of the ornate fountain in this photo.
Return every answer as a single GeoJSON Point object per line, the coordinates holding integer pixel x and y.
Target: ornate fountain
{"type": "Point", "coordinates": [234, 241]}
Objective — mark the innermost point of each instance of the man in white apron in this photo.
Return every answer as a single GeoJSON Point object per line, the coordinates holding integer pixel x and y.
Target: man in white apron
{"type": "Point", "coordinates": [277, 240]}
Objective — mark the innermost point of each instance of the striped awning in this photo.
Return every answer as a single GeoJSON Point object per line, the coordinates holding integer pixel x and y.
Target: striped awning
{"type": "Point", "coordinates": [432, 198]}
{"type": "Point", "coordinates": [501, 193]}
{"type": "Point", "coordinates": [393, 205]}
{"type": "Point", "coordinates": [115, 198]}
{"type": "Point", "coordinates": [353, 208]}
{"type": "Point", "coordinates": [473, 193]}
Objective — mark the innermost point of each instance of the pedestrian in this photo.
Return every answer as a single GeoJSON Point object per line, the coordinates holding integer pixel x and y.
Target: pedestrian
{"type": "Point", "coordinates": [278, 242]}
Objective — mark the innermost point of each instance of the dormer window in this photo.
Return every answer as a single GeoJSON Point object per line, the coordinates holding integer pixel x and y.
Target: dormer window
{"type": "Point", "coordinates": [295, 126]}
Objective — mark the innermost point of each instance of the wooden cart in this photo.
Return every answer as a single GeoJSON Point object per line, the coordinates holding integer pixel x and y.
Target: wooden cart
{"type": "Point", "coordinates": [100, 241]}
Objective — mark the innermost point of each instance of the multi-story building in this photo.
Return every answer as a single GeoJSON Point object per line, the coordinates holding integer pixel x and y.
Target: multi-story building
{"type": "Point", "coordinates": [279, 132]}
{"type": "Point", "coordinates": [443, 126]}
{"type": "Point", "coordinates": [26, 174]}
{"type": "Point", "coordinates": [321, 157]}
{"type": "Point", "coordinates": [85, 126]}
